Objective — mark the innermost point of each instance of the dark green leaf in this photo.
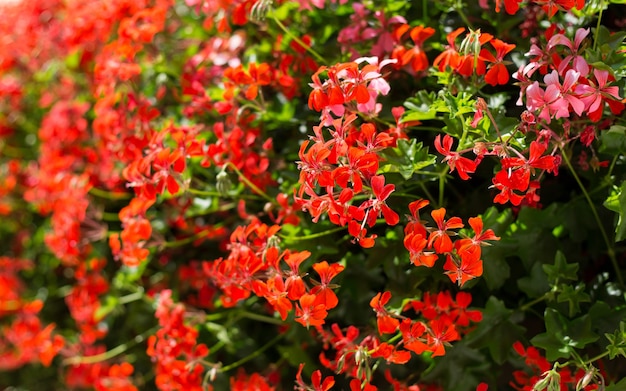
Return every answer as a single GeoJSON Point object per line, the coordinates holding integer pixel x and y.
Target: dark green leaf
{"type": "Point", "coordinates": [496, 331]}
{"type": "Point", "coordinates": [562, 337]}
{"type": "Point", "coordinates": [561, 269]}
{"type": "Point", "coordinates": [614, 140]}
{"type": "Point", "coordinates": [573, 296]}
{"type": "Point", "coordinates": [617, 203]}
{"type": "Point", "coordinates": [617, 342]}
{"type": "Point", "coordinates": [536, 284]}
{"type": "Point", "coordinates": [407, 158]}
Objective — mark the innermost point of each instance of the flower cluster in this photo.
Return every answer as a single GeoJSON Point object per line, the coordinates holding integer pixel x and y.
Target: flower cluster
{"type": "Point", "coordinates": [425, 244]}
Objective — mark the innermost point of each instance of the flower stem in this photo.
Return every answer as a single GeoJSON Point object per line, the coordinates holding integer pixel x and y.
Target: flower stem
{"type": "Point", "coordinates": [205, 193]}
{"type": "Point", "coordinates": [131, 297]}
{"type": "Point", "coordinates": [187, 240]}
{"type": "Point", "coordinates": [308, 48]}
{"type": "Point", "coordinates": [255, 354]}
{"type": "Point", "coordinates": [251, 185]}
{"type": "Point", "coordinates": [109, 354]}
{"type": "Point", "coordinates": [605, 236]}
{"type": "Point", "coordinates": [312, 236]}
{"type": "Point", "coordinates": [525, 307]}
{"type": "Point", "coordinates": [598, 24]}
{"type": "Point", "coordinates": [262, 318]}
{"type": "Point", "coordinates": [109, 195]}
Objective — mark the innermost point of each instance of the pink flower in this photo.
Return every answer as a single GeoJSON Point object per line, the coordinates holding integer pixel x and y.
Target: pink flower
{"type": "Point", "coordinates": [579, 64]}
{"type": "Point", "coordinates": [556, 100]}
{"type": "Point", "coordinates": [593, 95]}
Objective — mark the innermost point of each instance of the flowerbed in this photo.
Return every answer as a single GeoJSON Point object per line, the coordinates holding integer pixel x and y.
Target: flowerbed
{"type": "Point", "coordinates": [269, 195]}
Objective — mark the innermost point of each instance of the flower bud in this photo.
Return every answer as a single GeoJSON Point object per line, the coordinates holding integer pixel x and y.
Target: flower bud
{"type": "Point", "coordinates": [224, 185]}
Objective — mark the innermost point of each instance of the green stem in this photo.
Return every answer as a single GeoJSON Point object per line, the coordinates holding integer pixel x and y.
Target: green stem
{"type": "Point", "coordinates": [109, 195]}
{"type": "Point", "coordinates": [459, 10]}
{"type": "Point", "coordinates": [596, 358]}
{"type": "Point", "coordinates": [262, 318]}
{"type": "Point", "coordinates": [442, 185]}
{"type": "Point", "coordinates": [190, 239]}
{"type": "Point", "coordinates": [109, 354]}
{"type": "Point", "coordinates": [251, 185]}
{"type": "Point", "coordinates": [256, 353]}
{"type": "Point", "coordinates": [428, 195]}
{"type": "Point", "coordinates": [131, 297]}
{"type": "Point", "coordinates": [109, 216]}
{"type": "Point", "coordinates": [528, 305]}
{"type": "Point", "coordinates": [598, 24]}
{"type": "Point", "coordinates": [205, 193]}
{"type": "Point", "coordinates": [605, 236]}
{"type": "Point", "coordinates": [312, 236]}
{"type": "Point", "coordinates": [308, 48]}
{"type": "Point", "coordinates": [610, 172]}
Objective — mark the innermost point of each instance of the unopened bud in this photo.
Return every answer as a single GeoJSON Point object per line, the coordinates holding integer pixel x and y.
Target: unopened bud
{"type": "Point", "coordinates": [224, 185]}
{"type": "Point", "coordinates": [543, 383]}
{"type": "Point", "coordinates": [587, 379]}
{"type": "Point", "coordinates": [481, 104]}
{"type": "Point", "coordinates": [480, 148]}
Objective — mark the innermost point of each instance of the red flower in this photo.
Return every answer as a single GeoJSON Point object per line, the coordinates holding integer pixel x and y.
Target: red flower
{"type": "Point", "coordinates": [462, 164]}
{"type": "Point", "coordinates": [386, 323]}
{"type": "Point", "coordinates": [497, 73]}
{"type": "Point", "coordinates": [416, 243]}
{"type": "Point", "coordinates": [479, 238]}
{"type": "Point", "coordinates": [441, 333]}
{"type": "Point", "coordinates": [378, 204]}
{"type": "Point", "coordinates": [308, 313]}
{"type": "Point", "coordinates": [391, 354]}
{"type": "Point", "coordinates": [450, 57]}
{"type": "Point", "coordinates": [470, 266]}
{"type": "Point", "coordinates": [507, 181]}
{"type": "Point", "coordinates": [316, 380]}
{"type": "Point", "coordinates": [323, 292]}
{"type": "Point", "coordinates": [439, 239]}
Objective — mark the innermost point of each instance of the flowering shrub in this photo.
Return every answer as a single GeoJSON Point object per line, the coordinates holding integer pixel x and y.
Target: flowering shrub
{"type": "Point", "coordinates": [313, 195]}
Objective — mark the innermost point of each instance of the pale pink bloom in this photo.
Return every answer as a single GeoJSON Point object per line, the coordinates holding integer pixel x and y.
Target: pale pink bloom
{"type": "Point", "coordinates": [593, 94]}
{"type": "Point", "coordinates": [524, 82]}
{"type": "Point", "coordinates": [556, 99]}
{"type": "Point", "coordinates": [362, 29]}
{"type": "Point", "coordinates": [578, 62]}
{"type": "Point", "coordinates": [538, 100]}
{"type": "Point", "coordinates": [566, 92]}
{"type": "Point", "coordinates": [385, 43]}
{"type": "Point", "coordinates": [540, 58]}
{"type": "Point", "coordinates": [306, 4]}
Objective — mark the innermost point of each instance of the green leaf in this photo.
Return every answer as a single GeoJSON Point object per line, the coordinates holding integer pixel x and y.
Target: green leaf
{"type": "Point", "coordinates": [562, 337]}
{"type": "Point", "coordinates": [610, 41]}
{"type": "Point", "coordinates": [536, 284]}
{"type": "Point", "coordinates": [573, 296]}
{"type": "Point", "coordinates": [295, 355]}
{"type": "Point", "coordinates": [496, 269]}
{"type": "Point", "coordinates": [605, 317]}
{"type": "Point", "coordinates": [617, 203]}
{"type": "Point", "coordinates": [496, 331]}
{"type": "Point", "coordinates": [561, 269]}
{"type": "Point", "coordinates": [617, 342]}
{"type": "Point", "coordinates": [457, 105]}
{"type": "Point", "coordinates": [407, 158]}
{"type": "Point", "coordinates": [613, 140]}
{"type": "Point", "coordinates": [420, 107]}
{"type": "Point", "coordinates": [619, 386]}
{"type": "Point", "coordinates": [461, 369]}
